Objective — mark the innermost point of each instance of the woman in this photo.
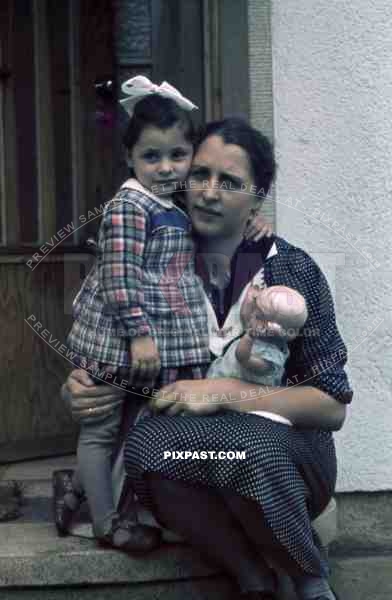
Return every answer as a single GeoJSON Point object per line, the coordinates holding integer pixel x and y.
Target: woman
{"type": "Point", "coordinates": [235, 512]}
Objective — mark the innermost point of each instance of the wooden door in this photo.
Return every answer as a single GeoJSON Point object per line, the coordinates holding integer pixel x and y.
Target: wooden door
{"type": "Point", "coordinates": [56, 163]}
{"type": "Point", "coordinates": [178, 48]}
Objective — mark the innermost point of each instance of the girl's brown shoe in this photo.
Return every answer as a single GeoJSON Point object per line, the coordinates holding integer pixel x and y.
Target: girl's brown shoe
{"type": "Point", "coordinates": [63, 514]}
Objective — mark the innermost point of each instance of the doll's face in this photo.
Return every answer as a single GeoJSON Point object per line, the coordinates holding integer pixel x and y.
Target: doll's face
{"type": "Point", "coordinates": [284, 305]}
{"type": "Point", "coordinates": [278, 304]}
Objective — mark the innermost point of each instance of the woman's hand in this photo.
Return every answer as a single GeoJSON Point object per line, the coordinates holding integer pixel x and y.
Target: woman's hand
{"type": "Point", "coordinates": [198, 397]}
{"type": "Point", "coordinates": [86, 399]}
{"type": "Point", "coordinates": [258, 228]}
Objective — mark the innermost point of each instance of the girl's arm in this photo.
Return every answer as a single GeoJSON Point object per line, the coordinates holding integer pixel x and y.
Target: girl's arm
{"type": "Point", "coordinates": [120, 270]}
{"type": "Point", "coordinates": [121, 243]}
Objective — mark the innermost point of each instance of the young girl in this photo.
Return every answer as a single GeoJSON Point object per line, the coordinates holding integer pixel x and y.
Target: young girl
{"type": "Point", "coordinates": [140, 315]}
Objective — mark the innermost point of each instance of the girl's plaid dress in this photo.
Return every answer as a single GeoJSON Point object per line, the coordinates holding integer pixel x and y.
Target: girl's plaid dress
{"type": "Point", "coordinates": [143, 283]}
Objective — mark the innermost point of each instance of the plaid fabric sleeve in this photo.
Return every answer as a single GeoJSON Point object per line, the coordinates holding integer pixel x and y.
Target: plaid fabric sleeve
{"type": "Point", "coordinates": [322, 354]}
{"type": "Point", "coordinates": [121, 249]}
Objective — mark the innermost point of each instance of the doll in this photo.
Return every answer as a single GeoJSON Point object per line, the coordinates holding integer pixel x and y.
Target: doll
{"type": "Point", "coordinates": [271, 318]}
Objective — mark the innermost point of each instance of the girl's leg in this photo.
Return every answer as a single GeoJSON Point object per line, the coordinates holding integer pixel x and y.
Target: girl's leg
{"type": "Point", "coordinates": [201, 517]}
{"type": "Point", "coordinates": [93, 476]}
{"type": "Point", "coordinates": [97, 442]}
{"type": "Point", "coordinates": [95, 450]}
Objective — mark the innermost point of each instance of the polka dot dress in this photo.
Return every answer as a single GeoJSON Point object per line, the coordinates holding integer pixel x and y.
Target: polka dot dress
{"type": "Point", "coordinates": [291, 473]}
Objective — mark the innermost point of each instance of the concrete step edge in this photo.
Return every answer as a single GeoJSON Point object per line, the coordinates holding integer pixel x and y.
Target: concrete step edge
{"type": "Point", "coordinates": [36, 557]}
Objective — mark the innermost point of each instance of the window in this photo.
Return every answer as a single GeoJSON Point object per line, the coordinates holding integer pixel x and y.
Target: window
{"type": "Point", "coordinates": [57, 130]}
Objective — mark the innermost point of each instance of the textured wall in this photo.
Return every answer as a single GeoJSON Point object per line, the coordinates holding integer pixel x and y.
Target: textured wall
{"type": "Point", "coordinates": [260, 80]}
{"type": "Point", "coordinates": [332, 89]}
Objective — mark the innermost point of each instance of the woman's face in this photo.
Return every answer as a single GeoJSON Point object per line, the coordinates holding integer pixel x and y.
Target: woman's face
{"type": "Point", "coordinates": [219, 200]}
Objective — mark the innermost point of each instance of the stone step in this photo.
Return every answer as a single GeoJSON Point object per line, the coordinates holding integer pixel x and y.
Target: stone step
{"type": "Point", "coordinates": [35, 564]}
{"type": "Point", "coordinates": [213, 588]}
{"type": "Point", "coordinates": [37, 469]}
{"type": "Point", "coordinates": [31, 554]}
{"type": "Point", "coordinates": [363, 577]}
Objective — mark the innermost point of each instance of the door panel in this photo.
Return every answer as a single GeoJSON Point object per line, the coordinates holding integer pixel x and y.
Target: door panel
{"type": "Point", "coordinates": [60, 140]}
{"type": "Point", "coordinates": [177, 48]}
{"type": "Point", "coordinates": [33, 418]}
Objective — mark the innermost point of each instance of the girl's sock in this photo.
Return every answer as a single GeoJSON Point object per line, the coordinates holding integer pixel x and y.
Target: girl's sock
{"type": "Point", "coordinates": [309, 587]}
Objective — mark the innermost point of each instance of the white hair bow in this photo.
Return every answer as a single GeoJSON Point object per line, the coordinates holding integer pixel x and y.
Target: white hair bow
{"type": "Point", "coordinates": [138, 87]}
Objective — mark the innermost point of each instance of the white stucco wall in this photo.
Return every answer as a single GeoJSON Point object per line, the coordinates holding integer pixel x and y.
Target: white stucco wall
{"type": "Point", "coordinates": [332, 95]}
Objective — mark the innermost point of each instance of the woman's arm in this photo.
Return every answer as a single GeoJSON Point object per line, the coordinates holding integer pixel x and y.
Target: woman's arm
{"type": "Point", "coordinates": [304, 406]}
{"type": "Point", "coordinates": [318, 389]}
{"type": "Point", "coordinates": [87, 399]}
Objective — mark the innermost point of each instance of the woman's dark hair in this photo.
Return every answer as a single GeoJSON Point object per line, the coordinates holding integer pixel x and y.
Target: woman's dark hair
{"type": "Point", "coordinates": [257, 146]}
{"type": "Point", "coordinates": [158, 111]}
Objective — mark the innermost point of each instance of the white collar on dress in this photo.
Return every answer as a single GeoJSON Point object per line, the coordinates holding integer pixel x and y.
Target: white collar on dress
{"type": "Point", "coordinates": [134, 184]}
{"type": "Point", "coordinates": [272, 251]}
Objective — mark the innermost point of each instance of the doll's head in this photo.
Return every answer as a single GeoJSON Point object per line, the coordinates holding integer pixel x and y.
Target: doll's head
{"type": "Point", "coordinates": [273, 306]}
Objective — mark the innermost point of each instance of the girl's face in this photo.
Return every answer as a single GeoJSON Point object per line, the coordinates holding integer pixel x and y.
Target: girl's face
{"type": "Point", "coordinates": [161, 159]}
{"type": "Point", "coordinates": [219, 197]}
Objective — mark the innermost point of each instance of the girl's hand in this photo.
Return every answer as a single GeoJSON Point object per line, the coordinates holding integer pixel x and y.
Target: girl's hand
{"type": "Point", "coordinates": [258, 228]}
{"type": "Point", "coordinates": [145, 361]}
{"type": "Point", "coordinates": [188, 396]}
